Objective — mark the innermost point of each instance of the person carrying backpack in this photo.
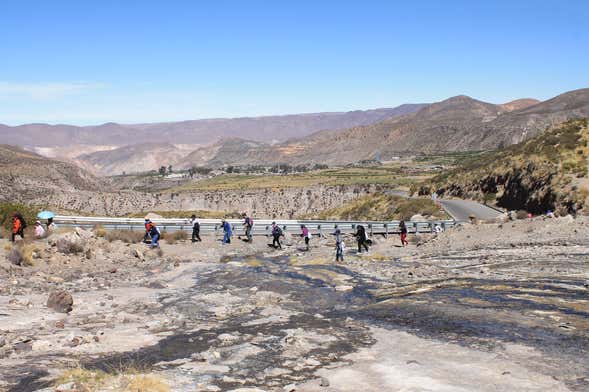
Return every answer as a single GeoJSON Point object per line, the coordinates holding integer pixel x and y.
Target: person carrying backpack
{"type": "Point", "coordinates": [195, 229]}
{"type": "Point", "coordinates": [403, 229]}
{"type": "Point", "coordinates": [248, 223]}
{"type": "Point", "coordinates": [18, 226]}
{"type": "Point", "coordinates": [276, 234]}
{"type": "Point", "coordinates": [147, 224]}
{"type": "Point", "coordinates": [305, 234]}
{"type": "Point", "coordinates": [155, 235]}
{"type": "Point", "coordinates": [339, 246]}
{"type": "Point", "coordinates": [361, 238]}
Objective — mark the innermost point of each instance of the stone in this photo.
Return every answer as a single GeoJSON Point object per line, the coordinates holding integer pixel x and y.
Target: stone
{"type": "Point", "coordinates": [139, 254]}
{"type": "Point", "coordinates": [324, 382]}
{"type": "Point", "coordinates": [290, 388]}
{"type": "Point", "coordinates": [61, 301]}
{"type": "Point", "coordinates": [69, 386]}
{"type": "Point", "coordinates": [60, 324]}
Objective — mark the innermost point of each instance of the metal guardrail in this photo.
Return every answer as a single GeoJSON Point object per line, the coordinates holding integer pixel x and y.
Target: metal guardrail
{"type": "Point", "coordinates": [261, 227]}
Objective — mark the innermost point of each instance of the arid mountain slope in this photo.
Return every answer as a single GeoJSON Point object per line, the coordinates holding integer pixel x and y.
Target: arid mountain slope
{"type": "Point", "coordinates": [456, 124]}
{"type": "Point", "coordinates": [134, 158]}
{"type": "Point", "coordinates": [269, 128]}
{"type": "Point", "coordinates": [519, 104]}
{"type": "Point", "coordinates": [544, 173]}
{"type": "Point", "coordinates": [25, 175]}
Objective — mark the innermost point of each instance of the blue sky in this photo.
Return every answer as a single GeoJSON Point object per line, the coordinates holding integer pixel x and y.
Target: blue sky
{"type": "Point", "coordinates": [88, 62]}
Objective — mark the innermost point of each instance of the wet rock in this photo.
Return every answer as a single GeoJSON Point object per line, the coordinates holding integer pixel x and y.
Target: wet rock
{"type": "Point", "coordinates": [60, 301]}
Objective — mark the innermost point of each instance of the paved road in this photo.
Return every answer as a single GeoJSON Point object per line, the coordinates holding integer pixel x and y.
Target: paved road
{"type": "Point", "coordinates": [462, 209]}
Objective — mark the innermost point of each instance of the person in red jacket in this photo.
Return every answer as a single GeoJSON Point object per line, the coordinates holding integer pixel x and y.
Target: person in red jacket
{"type": "Point", "coordinates": [18, 226]}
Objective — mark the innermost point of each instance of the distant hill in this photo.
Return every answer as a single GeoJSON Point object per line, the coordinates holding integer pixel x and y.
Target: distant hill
{"type": "Point", "coordinates": [25, 176]}
{"type": "Point", "coordinates": [200, 132]}
{"type": "Point", "coordinates": [457, 124]}
{"type": "Point", "coordinates": [546, 172]}
{"type": "Point", "coordinates": [133, 158]}
{"type": "Point", "coordinates": [519, 104]}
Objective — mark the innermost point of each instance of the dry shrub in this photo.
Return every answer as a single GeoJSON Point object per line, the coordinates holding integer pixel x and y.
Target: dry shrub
{"type": "Point", "coordinates": [100, 231]}
{"type": "Point", "coordinates": [127, 380]}
{"type": "Point", "coordinates": [22, 254]}
{"type": "Point", "coordinates": [126, 236]}
{"type": "Point", "coordinates": [146, 383]}
{"type": "Point", "coordinates": [173, 237]}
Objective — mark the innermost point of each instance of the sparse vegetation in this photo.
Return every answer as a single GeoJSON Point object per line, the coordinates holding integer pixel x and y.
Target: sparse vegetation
{"type": "Point", "coordinates": [540, 174]}
{"type": "Point", "coordinates": [126, 236]}
{"type": "Point", "coordinates": [383, 175]}
{"type": "Point", "coordinates": [382, 207]}
{"type": "Point", "coordinates": [21, 254]}
{"type": "Point", "coordinates": [127, 380]}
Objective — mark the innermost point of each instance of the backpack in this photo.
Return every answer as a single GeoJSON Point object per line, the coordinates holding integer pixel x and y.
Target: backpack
{"type": "Point", "coordinates": [277, 231]}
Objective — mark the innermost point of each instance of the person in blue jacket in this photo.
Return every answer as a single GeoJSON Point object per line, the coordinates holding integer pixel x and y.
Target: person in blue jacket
{"type": "Point", "coordinates": [227, 232]}
{"type": "Point", "coordinates": [155, 234]}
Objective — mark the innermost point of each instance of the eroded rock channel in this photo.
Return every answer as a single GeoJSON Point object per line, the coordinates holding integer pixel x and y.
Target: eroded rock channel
{"type": "Point", "coordinates": [455, 313]}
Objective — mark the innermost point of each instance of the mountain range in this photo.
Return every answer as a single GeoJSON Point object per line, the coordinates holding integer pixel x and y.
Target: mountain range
{"type": "Point", "coordinates": [456, 124]}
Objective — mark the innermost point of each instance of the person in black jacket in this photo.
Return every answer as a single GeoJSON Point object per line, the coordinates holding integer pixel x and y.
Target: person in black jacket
{"type": "Point", "coordinates": [361, 238]}
{"type": "Point", "coordinates": [195, 229]}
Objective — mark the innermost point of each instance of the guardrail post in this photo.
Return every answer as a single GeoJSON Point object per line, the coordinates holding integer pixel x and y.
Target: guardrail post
{"type": "Point", "coordinates": [320, 232]}
{"type": "Point", "coordinates": [386, 230]}
{"type": "Point", "coordinates": [370, 227]}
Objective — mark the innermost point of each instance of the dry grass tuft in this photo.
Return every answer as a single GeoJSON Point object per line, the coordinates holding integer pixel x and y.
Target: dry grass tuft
{"type": "Point", "coordinates": [127, 236]}
{"type": "Point", "coordinates": [21, 254]}
{"type": "Point", "coordinates": [125, 380]}
{"type": "Point", "coordinates": [100, 231]}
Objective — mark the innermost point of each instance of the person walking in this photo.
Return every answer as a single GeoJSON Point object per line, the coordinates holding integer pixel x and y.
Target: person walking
{"type": "Point", "coordinates": [195, 229]}
{"type": "Point", "coordinates": [306, 235]}
{"type": "Point", "coordinates": [51, 226]}
{"type": "Point", "coordinates": [248, 224]}
{"type": "Point", "coordinates": [361, 238]}
{"type": "Point", "coordinates": [339, 246]}
{"type": "Point", "coordinates": [147, 224]}
{"type": "Point", "coordinates": [403, 229]}
{"type": "Point", "coordinates": [227, 232]}
{"type": "Point", "coordinates": [276, 234]}
{"type": "Point", "coordinates": [18, 226]}
{"type": "Point", "coordinates": [155, 235]}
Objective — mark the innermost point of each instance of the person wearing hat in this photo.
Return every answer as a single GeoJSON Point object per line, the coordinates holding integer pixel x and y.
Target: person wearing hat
{"type": "Point", "coordinates": [339, 246]}
{"type": "Point", "coordinates": [39, 230]}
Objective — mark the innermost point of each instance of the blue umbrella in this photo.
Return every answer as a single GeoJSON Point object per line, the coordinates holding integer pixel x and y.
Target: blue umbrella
{"type": "Point", "coordinates": [45, 215]}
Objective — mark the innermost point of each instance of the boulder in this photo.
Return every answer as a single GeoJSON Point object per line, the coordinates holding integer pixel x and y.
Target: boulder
{"type": "Point", "coordinates": [69, 243]}
{"type": "Point", "coordinates": [418, 218]}
{"type": "Point", "coordinates": [61, 301]}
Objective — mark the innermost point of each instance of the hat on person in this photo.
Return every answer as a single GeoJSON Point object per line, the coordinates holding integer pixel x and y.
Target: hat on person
{"type": "Point", "coordinates": [38, 222]}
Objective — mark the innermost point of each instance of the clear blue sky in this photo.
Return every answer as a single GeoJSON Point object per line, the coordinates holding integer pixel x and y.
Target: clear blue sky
{"type": "Point", "coordinates": [86, 62]}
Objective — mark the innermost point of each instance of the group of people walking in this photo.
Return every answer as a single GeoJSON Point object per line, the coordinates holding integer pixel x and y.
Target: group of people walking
{"type": "Point", "coordinates": [19, 225]}
{"type": "Point", "coordinates": [361, 235]}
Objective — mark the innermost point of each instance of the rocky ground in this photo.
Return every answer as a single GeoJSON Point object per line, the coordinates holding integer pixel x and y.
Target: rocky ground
{"type": "Point", "coordinates": [489, 307]}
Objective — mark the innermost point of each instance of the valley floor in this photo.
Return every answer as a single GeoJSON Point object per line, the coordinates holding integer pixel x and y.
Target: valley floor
{"type": "Point", "coordinates": [491, 307]}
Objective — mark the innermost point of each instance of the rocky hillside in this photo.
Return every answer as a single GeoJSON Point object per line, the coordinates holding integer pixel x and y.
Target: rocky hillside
{"type": "Point", "coordinates": [456, 124]}
{"type": "Point", "coordinates": [25, 176]}
{"type": "Point", "coordinates": [133, 158]}
{"type": "Point", "coordinates": [547, 172]}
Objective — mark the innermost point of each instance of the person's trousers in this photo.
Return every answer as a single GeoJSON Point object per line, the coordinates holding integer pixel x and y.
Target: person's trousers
{"type": "Point", "coordinates": [307, 242]}
{"type": "Point", "coordinates": [362, 243]}
{"type": "Point", "coordinates": [404, 239]}
{"type": "Point", "coordinates": [276, 242]}
{"type": "Point", "coordinates": [226, 238]}
{"type": "Point", "coordinates": [21, 233]}
{"type": "Point", "coordinates": [339, 253]}
{"type": "Point", "coordinates": [195, 235]}
{"type": "Point", "coordinates": [154, 241]}
{"type": "Point", "coordinates": [248, 234]}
